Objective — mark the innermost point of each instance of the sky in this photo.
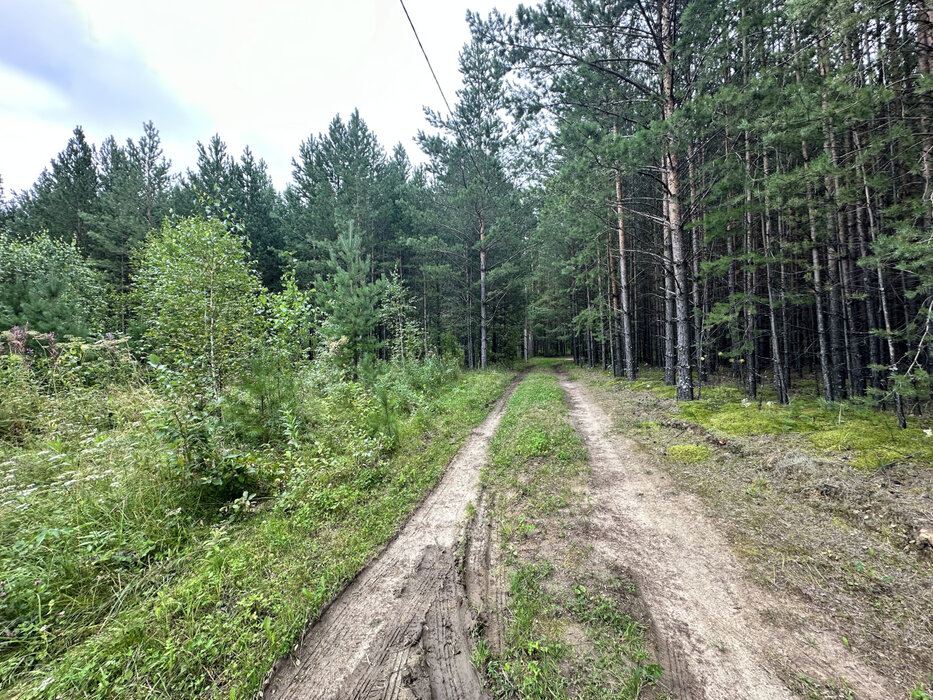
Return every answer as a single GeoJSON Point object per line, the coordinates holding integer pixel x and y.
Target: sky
{"type": "Point", "coordinates": [266, 74]}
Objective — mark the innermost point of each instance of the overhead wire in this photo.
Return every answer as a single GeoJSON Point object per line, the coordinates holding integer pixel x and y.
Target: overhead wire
{"type": "Point", "coordinates": [427, 60]}
{"type": "Point", "coordinates": [453, 120]}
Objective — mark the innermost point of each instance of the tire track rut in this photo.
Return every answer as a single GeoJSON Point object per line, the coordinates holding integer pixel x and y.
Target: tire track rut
{"type": "Point", "coordinates": [400, 630]}
{"type": "Point", "coordinates": [712, 639]}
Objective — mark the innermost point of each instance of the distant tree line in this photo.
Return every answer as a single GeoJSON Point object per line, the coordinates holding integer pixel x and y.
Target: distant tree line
{"type": "Point", "coordinates": [356, 225]}
{"type": "Point", "coordinates": [738, 186]}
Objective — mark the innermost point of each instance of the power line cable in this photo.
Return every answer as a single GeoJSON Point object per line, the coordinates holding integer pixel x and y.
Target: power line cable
{"type": "Point", "coordinates": [427, 60]}
{"type": "Point", "coordinates": [453, 119]}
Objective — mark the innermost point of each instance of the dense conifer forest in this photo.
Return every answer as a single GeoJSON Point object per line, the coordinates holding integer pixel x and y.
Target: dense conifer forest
{"type": "Point", "coordinates": [202, 373]}
{"type": "Point", "coordinates": [697, 186]}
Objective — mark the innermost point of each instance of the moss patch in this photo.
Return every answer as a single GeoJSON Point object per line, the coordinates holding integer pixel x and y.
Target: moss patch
{"type": "Point", "coordinates": [854, 432]}
{"type": "Point", "coordinates": [688, 454]}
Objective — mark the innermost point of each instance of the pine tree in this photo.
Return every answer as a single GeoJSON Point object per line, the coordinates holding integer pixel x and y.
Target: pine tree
{"type": "Point", "coordinates": [119, 222]}
{"type": "Point", "coordinates": [66, 194]}
{"type": "Point", "coordinates": [146, 154]}
{"type": "Point", "coordinates": [255, 203]}
{"type": "Point", "coordinates": [308, 223]}
{"type": "Point", "coordinates": [48, 285]}
{"type": "Point", "coordinates": [214, 173]}
{"type": "Point", "coordinates": [350, 301]}
{"type": "Point", "coordinates": [473, 194]}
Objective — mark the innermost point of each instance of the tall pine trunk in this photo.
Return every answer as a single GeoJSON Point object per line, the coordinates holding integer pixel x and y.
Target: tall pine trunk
{"type": "Point", "coordinates": [777, 363]}
{"type": "Point", "coordinates": [482, 293]}
{"type": "Point", "coordinates": [628, 349]}
{"type": "Point", "coordinates": [675, 224]}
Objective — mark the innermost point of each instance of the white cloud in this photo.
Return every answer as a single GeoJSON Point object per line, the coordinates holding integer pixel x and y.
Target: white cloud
{"type": "Point", "coordinates": [23, 94]}
{"type": "Point", "coordinates": [263, 74]}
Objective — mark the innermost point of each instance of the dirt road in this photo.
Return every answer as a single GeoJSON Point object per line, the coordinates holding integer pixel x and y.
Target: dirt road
{"type": "Point", "coordinates": [708, 621]}
{"type": "Point", "coordinates": [400, 630]}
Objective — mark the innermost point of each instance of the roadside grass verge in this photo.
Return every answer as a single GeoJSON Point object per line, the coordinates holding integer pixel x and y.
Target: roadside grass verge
{"type": "Point", "coordinates": [143, 589]}
{"type": "Point", "coordinates": [820, 519]}
{"type": "Point", "coordinates": [570, 631]}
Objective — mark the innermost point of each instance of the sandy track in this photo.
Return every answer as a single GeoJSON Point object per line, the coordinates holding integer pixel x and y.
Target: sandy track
{"type": "Point", "coordinates": [400, 629]}
{"type": "Point", "coordinates": [706, 616]}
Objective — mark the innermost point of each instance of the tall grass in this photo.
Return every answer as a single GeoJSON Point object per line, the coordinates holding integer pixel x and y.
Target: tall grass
{"type": "Point", "coordinates": [127, 573]}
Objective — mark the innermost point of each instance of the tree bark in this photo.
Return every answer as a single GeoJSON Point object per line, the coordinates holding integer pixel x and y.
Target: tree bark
{"type": "Point", "coordinates": [670, 376]}
{"type": "Point", "coordinates": [672, 180]}
{"type": "Point", "coordinates": [482, 293]}
{"type": "Point", "coordinates": [698, 307]}
{"type": "Point", "coordinates": [777, 363]}
{"type": "Point", "coordinates": [631, 368]}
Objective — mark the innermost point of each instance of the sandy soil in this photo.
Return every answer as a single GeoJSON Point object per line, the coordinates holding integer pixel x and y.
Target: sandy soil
{"type": "Point", "coordinates": [707, 619]}
{"type": "Point", "coordinates": [401, 628]}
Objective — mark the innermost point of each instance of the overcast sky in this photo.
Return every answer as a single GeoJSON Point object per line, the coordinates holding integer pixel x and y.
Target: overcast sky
{"type": "Point", "coordinates": [263, 74]}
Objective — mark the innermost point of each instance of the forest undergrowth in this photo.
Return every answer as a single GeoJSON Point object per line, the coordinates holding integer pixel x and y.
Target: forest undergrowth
{"type": "Point", "coordinates": [128, 573]}
{"type": "Point", "coordinates": [823, 501]}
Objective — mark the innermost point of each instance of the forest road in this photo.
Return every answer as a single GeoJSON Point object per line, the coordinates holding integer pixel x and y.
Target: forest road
{"type": "Point", "coordinates": [713, 640]}
{"type": "Point", "coordinates": [400, 630]}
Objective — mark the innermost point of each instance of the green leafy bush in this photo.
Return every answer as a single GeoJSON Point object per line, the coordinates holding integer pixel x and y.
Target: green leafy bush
{"type": "Point", "coordinates": [199, 299]}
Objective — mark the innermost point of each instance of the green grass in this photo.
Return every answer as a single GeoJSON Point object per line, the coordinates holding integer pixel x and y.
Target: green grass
{"type": "Point", "coordinates": [653, 381]}
{"type": "Point", "coordinates": [530, 666]}
{"type": "Point", "coordinates": [688, 453]}
{"type": "Point", "coordinates": [614, 634]}
{"type": "Point", "coordinates": [568, 631]}
{"type": "Point", "coordinates": [866, 437]}
{"type": "Point", "coordinates": [536, 440]}
{"type": "Point", "coordinates": [548, 362]}
{"type": "Point", "coordinates": [138, 587]}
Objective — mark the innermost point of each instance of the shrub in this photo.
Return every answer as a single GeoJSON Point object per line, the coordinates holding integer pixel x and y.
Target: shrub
{"type": "Point", "coordinates": [49, 286]}
{"type": "Point", "coordinates": [254, 409]}
{"type": "Point", "coordinates": [201, 449]}
{"type": "Point", "coordinates": [199, 299]}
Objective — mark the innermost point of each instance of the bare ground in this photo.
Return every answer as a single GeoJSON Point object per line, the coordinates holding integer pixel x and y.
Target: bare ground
{"type": "Point", "coordinates": [840, 541]}
{"type": "Point", "coordinates": [400, 629]}
{"type": "Point", "coordinates": [707, 618]}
